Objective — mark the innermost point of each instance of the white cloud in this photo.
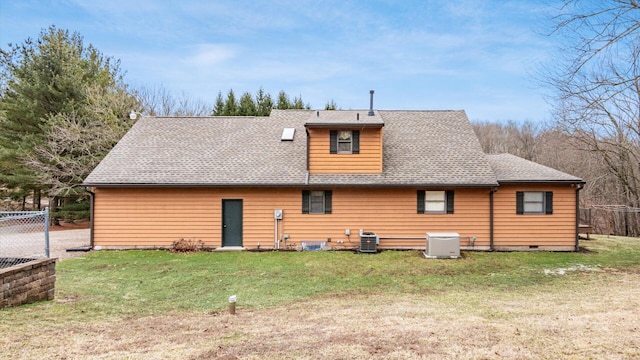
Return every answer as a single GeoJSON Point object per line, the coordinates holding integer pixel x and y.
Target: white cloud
{"type": "Point", "coordinates": [208, 55]}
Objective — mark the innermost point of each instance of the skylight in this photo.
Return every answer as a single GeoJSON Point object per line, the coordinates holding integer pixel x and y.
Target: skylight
{"type": "Point", "coordinates": [287, 134]}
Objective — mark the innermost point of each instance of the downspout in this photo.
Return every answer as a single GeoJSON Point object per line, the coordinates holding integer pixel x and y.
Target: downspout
{"type": "Point", "coordinates": [91, 209]}
{"type": "Point", "coordinates": [308, 141]}
{"type": "Point", "coordinates": [493, 190]}
{"type": "Point", "coordinates": [580, 187]}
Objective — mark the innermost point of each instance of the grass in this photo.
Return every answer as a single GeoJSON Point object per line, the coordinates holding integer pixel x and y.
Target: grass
{"type": "Point", "coordinates": [158, 289]}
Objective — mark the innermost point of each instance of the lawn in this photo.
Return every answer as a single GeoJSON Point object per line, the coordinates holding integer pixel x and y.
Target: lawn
{"type": "Point", "coordinates": [395, 304]}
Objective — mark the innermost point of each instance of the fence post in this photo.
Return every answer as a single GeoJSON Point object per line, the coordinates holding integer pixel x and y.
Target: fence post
{"type": "Point", "coordinates": [46, 231]}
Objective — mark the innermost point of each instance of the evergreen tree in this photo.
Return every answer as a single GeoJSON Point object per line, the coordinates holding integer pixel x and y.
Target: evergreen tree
{"type": "Point", "coordinates": [297, 103]}
{"type": "Point", "coordinates": [283, 102]}
{"type": "Point", "coordinates": [218, 108]}
{"type": "Point", "coordinates": [247, 106]}
{"type": "Point", "coordinates": [264, 103]}
{"type": "Point", "coordinates": [41, 80]}
{"type": "Point", "coordinates": [330, 105]}
{"type": "Point", "coordinates": [230, 105]}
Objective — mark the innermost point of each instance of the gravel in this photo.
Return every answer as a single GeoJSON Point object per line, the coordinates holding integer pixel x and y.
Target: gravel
{"type": "Point", "coordinates": [60, 241]}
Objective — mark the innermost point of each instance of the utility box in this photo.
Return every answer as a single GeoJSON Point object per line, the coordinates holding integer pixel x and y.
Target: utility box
{"type": "Point", "coordinates": [368, 242]}
{"type": "Point", "coordinates": [443, 246]}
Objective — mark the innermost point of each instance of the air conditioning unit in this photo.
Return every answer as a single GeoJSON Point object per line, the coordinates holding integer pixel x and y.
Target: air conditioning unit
{"type": "Point", "coordinates": [443, 245]}
{"type": "Point", "coordinates": [368, 242]}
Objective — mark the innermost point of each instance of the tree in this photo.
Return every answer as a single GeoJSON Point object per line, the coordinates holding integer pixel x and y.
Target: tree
{"type": "Point", "coordinates": [74, 143]}
{"type": "Point", "coordinates": [218, 108]}
{"type": "Point", "coordinates": [596, 85]}
{"type": "Point", "coordinates": [283, 101]}
{"type": "Point", "coordinates": [264, 103]}
{"type": "Point", "coordinates": [247, 106]}
{"type": "Point", "coordinates": [42, 81]}
{"type": "Point", "coordinates": [513, 138]}
{"type": "Point", "coordinates": [158, 101]}
{"type": "Point", "coordinates": [230, 105]}
{"type": "Point", "coordinates": [331, 105]}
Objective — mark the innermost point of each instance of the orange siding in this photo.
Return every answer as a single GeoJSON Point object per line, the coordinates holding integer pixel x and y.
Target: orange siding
{"type": "Point", "coordinates": [554, 230]}
{"type": "Point", "coordinates": [157, 217]}
{"type": "Point", "coordinates": [368, 161]}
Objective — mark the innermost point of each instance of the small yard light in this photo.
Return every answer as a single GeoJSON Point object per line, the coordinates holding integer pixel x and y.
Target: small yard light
{"type": "Point", "coordinates": [232, 304]}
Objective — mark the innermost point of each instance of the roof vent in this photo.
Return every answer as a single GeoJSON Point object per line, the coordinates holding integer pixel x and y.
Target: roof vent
{"type": "Point", "coordinates": [357, 116]}
{"type": "Point", "coordinates": [371, 104]}
{"type": "Point", "coordinates": [287, 134]}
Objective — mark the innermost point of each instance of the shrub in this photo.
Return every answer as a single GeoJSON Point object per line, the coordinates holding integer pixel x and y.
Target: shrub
{"type": "Point", "coordinates": [187, 245]}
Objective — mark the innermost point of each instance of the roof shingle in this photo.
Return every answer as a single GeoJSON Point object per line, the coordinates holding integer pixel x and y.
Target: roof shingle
{"type": "Point", "coordinates": [420, 148]}
{"type": "Point", "coordinates": [511, 168]}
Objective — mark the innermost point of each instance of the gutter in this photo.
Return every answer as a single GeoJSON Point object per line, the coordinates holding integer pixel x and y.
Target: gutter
{"type": "Point", "coordinates": [491, 233]}
{"type": "Point", "coordinates": [282, 185]}
{"type": "Point", "coordinates": [91, 209]}
{"type": "Point", "coordinates": [308, 140]}
{"type": "Point", "coordinates": [580, 187]}
{"type": "Point", "coordinates": [344, 125]}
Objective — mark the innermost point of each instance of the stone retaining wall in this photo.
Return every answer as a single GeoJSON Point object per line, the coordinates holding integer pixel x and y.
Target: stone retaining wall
{"type": "Point", "coordinates": [27, 283]}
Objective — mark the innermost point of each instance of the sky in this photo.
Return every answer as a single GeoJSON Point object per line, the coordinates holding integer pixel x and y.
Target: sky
{"type": "Point", "coordinates": [479, 56]}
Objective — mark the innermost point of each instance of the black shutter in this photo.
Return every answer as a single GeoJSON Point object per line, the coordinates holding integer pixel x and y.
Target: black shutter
{"type": "Point", "coordinates": [305, 201]}
{"type": "Point", "coordinates": [519, 202]}
{"type": "Point", "coordinates": [420, 201]}
{"type": "Point", "coordinates": [327, 202]}
{"type": "Point", "coordinates": [333, 142]}
{"type": "Point", "coordinates": [355, 145]}
{"type": "Point", "coordinates": [548, 202]}
{"type": "Point", "coordinates": [449, 201]}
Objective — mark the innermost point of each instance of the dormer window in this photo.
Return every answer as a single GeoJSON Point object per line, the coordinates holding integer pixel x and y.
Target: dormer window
{"type": "Point", "coordinates": [344, 142]}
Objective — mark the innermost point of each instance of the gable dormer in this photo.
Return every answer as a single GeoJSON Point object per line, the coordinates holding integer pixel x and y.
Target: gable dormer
{"type": "Point", "coordinates": [344, 142]}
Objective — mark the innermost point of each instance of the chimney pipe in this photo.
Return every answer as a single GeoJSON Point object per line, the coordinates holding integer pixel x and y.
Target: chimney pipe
{"type": "Point", "coordinates": [371, 104]}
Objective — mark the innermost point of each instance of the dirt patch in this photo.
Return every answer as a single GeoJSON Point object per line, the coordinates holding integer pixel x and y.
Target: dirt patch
{"type": "Point", "coordinates": [600, 320]}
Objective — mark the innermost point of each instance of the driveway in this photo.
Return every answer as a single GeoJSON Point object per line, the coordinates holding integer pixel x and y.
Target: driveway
{"type": "Point", "coordinates": [60, 241]}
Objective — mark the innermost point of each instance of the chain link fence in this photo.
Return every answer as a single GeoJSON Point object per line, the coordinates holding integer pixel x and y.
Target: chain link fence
{"type": "Point", "coordinates": [24, 236]}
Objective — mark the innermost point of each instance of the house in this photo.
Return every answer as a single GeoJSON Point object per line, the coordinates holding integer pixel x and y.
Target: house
{"type": "Point", "coordinates": [301, 176]}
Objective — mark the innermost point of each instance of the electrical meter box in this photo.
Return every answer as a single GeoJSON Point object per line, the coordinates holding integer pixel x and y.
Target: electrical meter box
{"type": "Point", "coordinates": [277, 214]}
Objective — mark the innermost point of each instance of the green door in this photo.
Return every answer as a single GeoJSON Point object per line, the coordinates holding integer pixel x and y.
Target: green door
{"type": "Point", "coordinates": [231, 222]}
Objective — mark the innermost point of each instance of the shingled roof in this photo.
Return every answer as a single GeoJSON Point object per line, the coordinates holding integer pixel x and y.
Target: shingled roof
{"type": "Point", "coordinates": [420, 148]}
{"type": "Point", "coordinates": [511, 168]}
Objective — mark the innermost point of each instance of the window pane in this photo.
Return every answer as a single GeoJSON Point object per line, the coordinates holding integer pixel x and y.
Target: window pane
{"type": "Point", "coordinates": [434, 206]}
{"type": "Point", "coordinates": [344, 147]}
{"type": "Point", "coordinates": [316, 202]}
{"type": "Point", "coordinates": [434, 201]}
{"type": "Point", "coordinates": [533, 207]}
{"type": "Point", "coordinates": [536, 196]}
{"type": "Point", "coordinates": [344, 135]}
{"type": "Point", "coordinates": [534, 202]}
{"type": "Point", "coordinates": [434, 195]}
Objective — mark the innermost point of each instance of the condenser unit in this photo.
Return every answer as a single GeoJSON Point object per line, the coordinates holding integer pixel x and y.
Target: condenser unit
{"type": "Point", "coordinates": [368, 242]}
{"type": "Point", "coordinates": [443, 245]}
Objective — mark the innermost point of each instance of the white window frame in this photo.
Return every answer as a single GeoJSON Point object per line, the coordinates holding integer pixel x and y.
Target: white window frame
{"type": "Point", "coordinates": [341, 141]}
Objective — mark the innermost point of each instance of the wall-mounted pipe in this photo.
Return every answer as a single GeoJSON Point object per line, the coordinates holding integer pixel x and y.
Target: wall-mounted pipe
{"type": "Point", "coordinates": [91, 215]}
{"type": "Point", "coordinates": [580, 187]}
{"type": "Point", "coordinates": [491, 234]}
